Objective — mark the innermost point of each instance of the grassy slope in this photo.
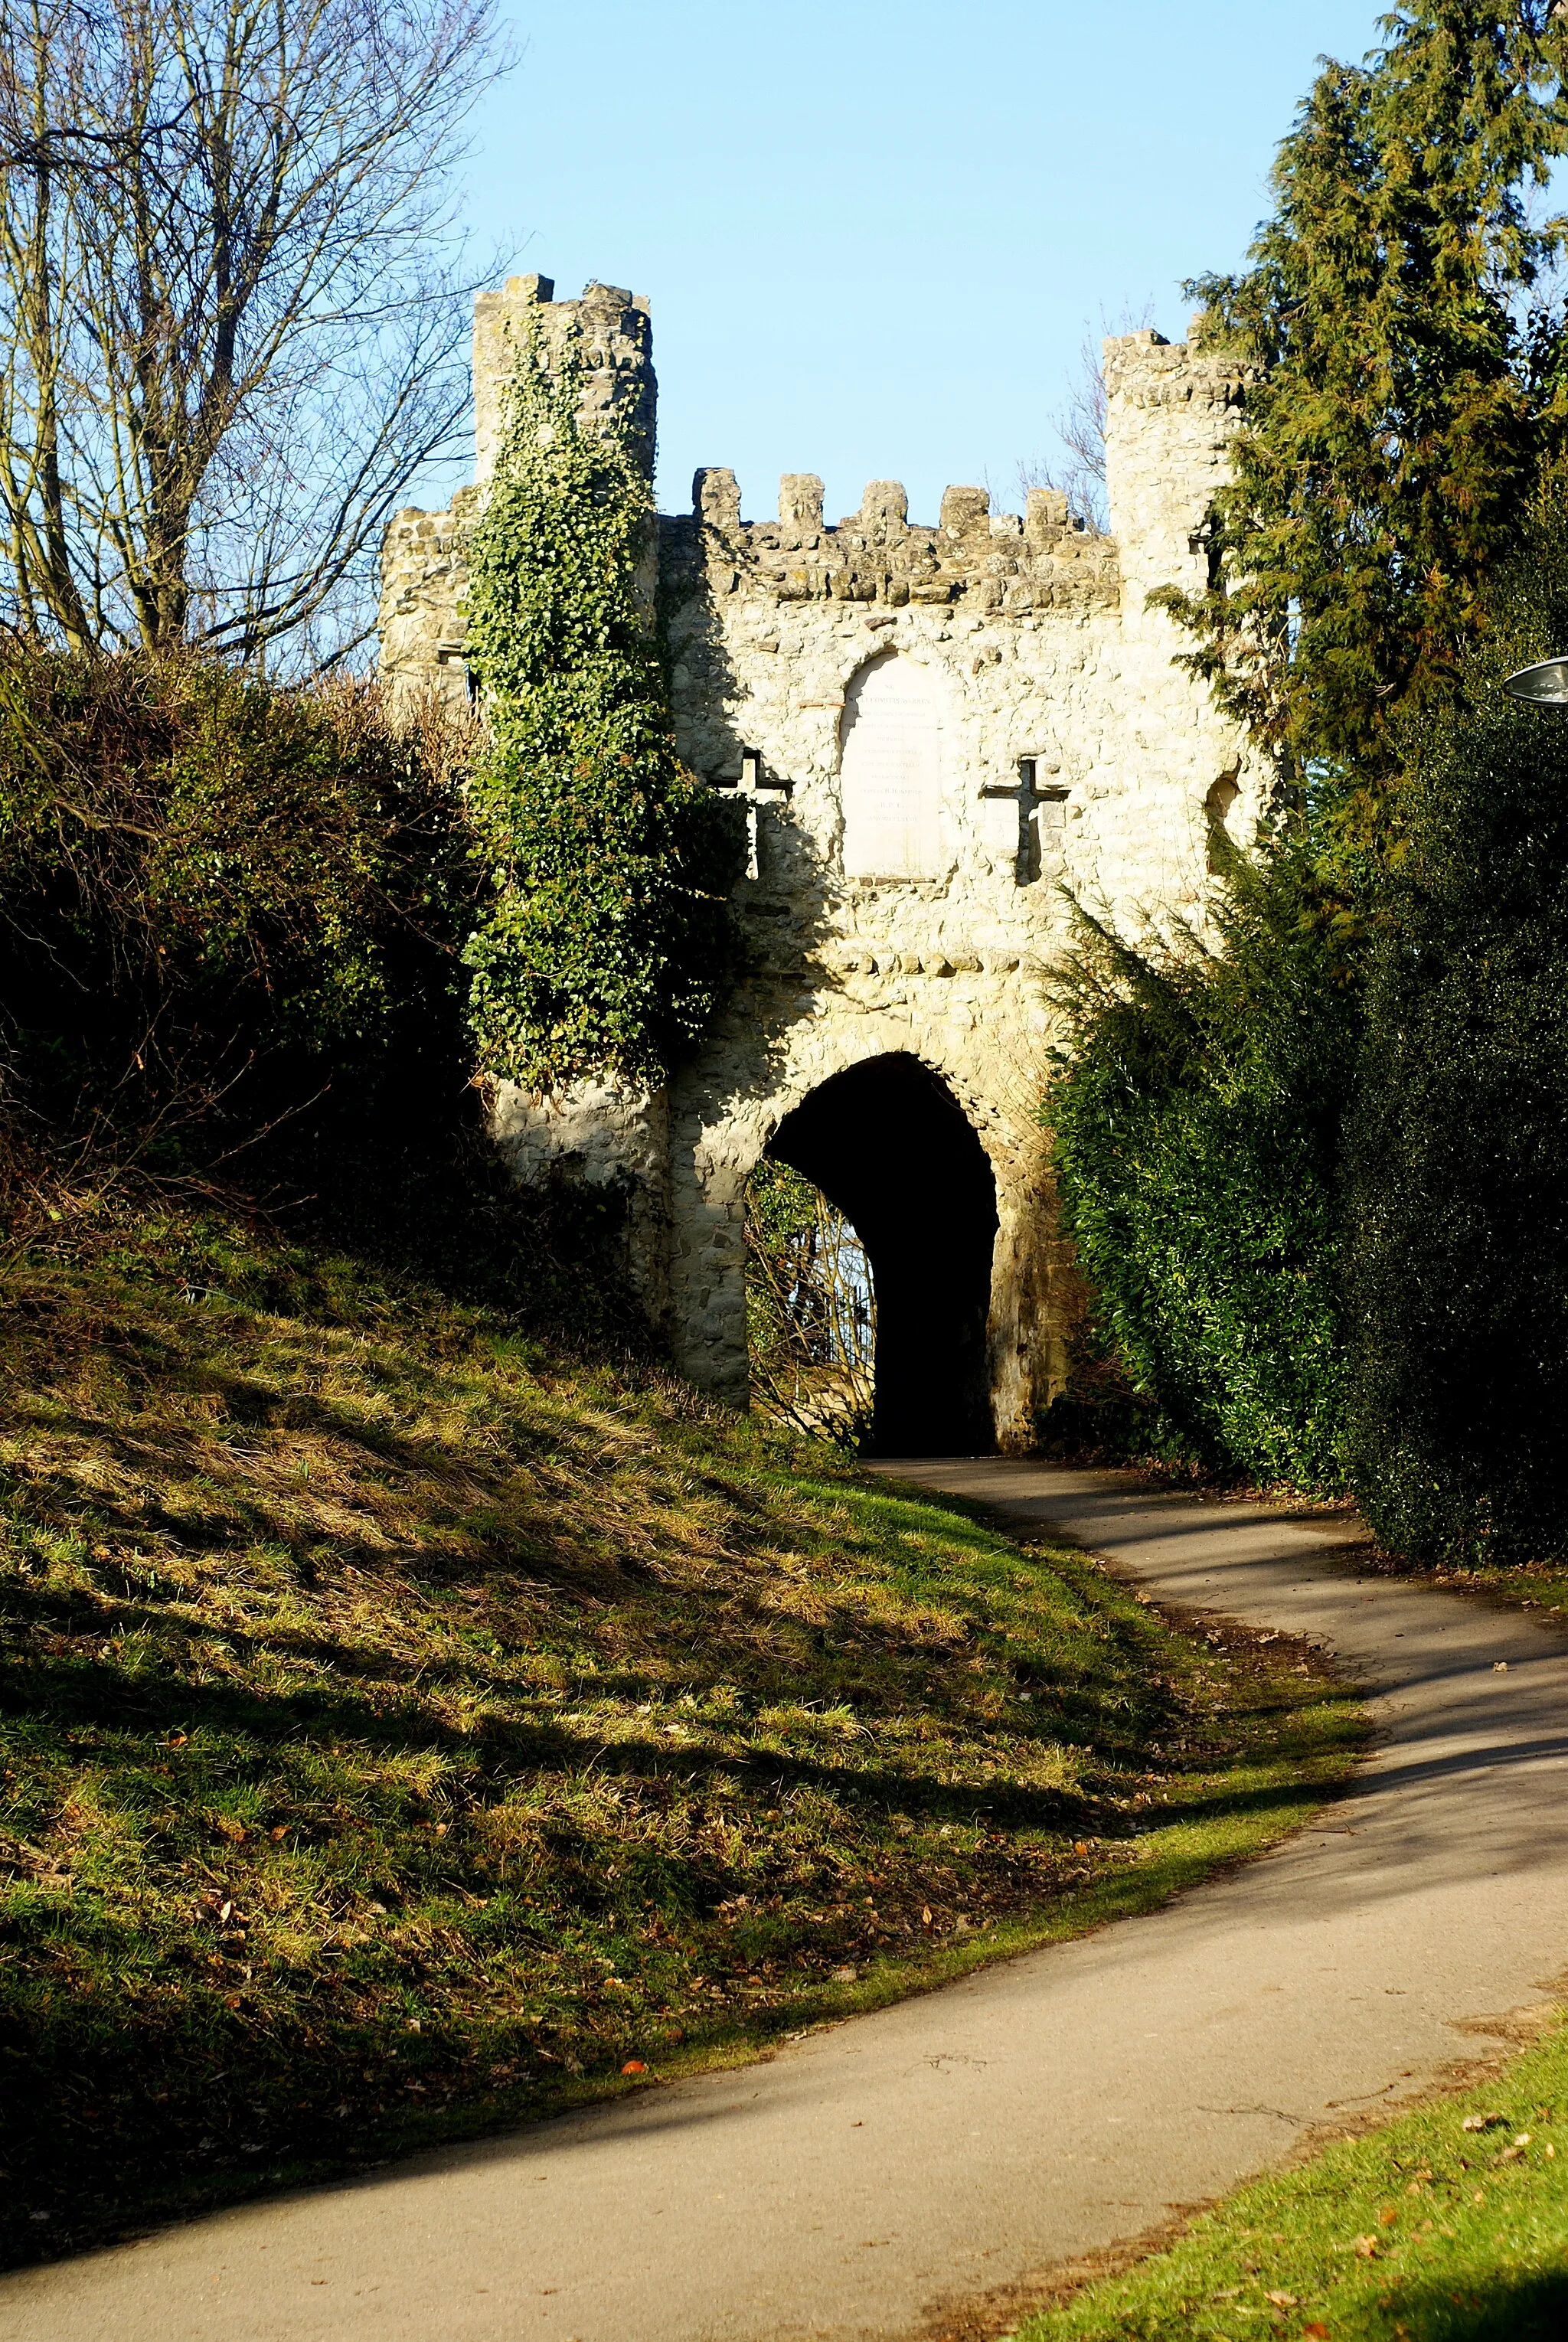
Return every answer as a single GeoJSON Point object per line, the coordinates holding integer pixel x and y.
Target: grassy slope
{"type": "Point", "coordinates": [1423, 2232]}
{"type": "Point", "coordinates": [404, 1733]}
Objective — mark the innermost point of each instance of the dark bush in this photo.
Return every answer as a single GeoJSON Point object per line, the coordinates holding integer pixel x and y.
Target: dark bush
{"type": "Point", "coordinates": [231, 926]}
{"type": "Point", "coordinates": [210, 886]}
{"type": "Point", "coordinates": [1457, 1194]}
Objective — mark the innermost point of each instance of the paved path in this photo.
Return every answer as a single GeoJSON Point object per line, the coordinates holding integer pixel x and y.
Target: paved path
{"type": "Point", "coordinates": [957, 2143]}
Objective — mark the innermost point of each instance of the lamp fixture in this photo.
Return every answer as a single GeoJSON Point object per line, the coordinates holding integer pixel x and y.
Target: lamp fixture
{"type": "Point", "coordinates": [1544, 684]}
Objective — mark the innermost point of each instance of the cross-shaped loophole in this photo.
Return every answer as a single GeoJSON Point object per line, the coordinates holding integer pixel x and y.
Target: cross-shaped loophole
{"type": "Point", "coordinates": [753, 781]}
{"type": "Point", "coordinates": [1041, 815]}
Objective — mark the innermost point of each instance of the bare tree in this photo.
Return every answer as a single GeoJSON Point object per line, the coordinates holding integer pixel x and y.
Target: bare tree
{"type": "Point", "coordinates": [1079, 424]}
{"type": "Point", "coordinates": [810, 1308]}
{"type": "Point", "coordinates": [228, 282]}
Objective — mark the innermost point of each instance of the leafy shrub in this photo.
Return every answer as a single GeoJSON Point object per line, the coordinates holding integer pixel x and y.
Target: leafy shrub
{"type": "Point", "coordinates": [1196, 1124]}
{"type": "Point", "coordinates": [231, 925]}
{"type": "Point", "coordinates": [609, 943]}
{"type": "Point", "coordinates": [231, 920]}
{"type": "Point", "coordinates": [1457, 1185]}
{"type": "Point", "coordinates": [201, 873]}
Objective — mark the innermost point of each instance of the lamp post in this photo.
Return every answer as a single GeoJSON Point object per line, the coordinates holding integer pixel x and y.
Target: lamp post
{"type": "Point", "coordinates": [1544, 684]}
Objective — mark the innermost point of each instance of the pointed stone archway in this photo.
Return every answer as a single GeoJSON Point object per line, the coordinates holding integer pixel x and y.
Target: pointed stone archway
{"type": "Point", "coordinates": [888, 1143]}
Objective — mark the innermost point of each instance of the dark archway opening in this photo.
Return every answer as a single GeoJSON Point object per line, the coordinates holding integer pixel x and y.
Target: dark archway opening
{"type": "Point", "coordinates": [888, 1143]}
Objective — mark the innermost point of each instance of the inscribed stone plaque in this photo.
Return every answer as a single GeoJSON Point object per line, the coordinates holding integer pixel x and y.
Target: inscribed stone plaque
{"type": "Point", "coordinates": [891, 774]}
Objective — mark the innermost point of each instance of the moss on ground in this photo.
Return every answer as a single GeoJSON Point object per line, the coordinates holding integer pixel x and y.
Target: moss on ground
{"type": "Point", "coordinates": [1449, 2224]}
{"type": "Point", "coordinates": [404, 1733]}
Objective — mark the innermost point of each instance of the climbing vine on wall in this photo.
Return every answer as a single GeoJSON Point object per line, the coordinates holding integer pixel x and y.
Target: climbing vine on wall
{"type": "Point", "coordinates": [609, 943]}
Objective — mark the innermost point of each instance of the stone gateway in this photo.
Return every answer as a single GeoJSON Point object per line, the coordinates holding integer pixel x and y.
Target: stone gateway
{"type": "Point", "coordinates": [935, 729]}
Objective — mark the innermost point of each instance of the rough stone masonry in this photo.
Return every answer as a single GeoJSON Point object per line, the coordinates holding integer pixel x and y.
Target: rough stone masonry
{"type": "Point", "coordinates": [932, 730]}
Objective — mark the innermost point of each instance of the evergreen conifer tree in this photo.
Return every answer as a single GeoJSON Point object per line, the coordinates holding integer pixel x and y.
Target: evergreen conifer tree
{"type": "Point", "coordinates": [1410, 378]}
{"type": "Point", "coordinates": [1409, 382]}
{"type": "Point", "coordinates": [609, 941]}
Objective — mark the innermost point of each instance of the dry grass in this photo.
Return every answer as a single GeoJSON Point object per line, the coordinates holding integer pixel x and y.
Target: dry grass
{"type": "Point", "coordinates": [404, 1733]}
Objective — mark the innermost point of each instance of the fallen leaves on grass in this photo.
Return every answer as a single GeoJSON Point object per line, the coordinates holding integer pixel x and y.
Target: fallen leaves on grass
{"type": "Point", "coordinates": [387, 1704]}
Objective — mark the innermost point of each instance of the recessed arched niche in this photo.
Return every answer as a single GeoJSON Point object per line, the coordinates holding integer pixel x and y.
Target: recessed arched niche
{"type": "Point", "coordinates": [890, 773]}
{"type": "Point", "coordinates": [1218, 806]}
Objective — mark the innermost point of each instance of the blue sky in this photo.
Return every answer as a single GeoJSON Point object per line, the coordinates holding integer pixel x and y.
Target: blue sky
{"type": "Point", "coordinates": [874, 231]}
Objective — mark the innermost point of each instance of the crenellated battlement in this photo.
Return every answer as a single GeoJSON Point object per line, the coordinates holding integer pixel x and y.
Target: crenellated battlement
{"type": "Point", "coordinates": [1170, 409]}
{"type": "Point", "coordinates": [614, 337]}
{"type": "Point", "coordinates": [877, 554]}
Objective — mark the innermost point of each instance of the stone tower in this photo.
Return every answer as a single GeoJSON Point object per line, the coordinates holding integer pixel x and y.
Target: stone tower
{"type": "Point", "coordinates": [935, 730]}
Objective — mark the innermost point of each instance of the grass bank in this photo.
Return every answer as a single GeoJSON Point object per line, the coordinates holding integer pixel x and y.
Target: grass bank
{"type": "Point", "coordinates": [1450, 2225]}
{"type": "Point", "coordinates": [405, 1732]}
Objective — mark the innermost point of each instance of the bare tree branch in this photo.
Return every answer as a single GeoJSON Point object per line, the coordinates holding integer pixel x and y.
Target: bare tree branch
{"type": "Point", "coordinates": [1079, 422]}
{"type": "Point", "coordinates": [811, 1309]}
{"type": "Point", "coordinates": [228, 276]}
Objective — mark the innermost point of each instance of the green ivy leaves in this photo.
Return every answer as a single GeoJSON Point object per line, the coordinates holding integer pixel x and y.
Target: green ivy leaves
{"type": "Point", "coordinates": [609, 944]}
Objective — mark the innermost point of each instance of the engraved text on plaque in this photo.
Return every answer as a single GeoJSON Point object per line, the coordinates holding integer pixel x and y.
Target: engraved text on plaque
{"type": "Point", "coordinates": [891, 774]}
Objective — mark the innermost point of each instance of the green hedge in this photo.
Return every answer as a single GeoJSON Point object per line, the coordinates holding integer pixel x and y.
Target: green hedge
{"type": "Point", "coordinates": [1318, 1173]}
{"type": "Point", "coordinates": [1196, 1121]}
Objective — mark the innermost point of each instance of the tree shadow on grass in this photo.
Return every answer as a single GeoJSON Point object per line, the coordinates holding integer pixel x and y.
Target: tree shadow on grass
{"type": "Point", "coordinates": [274, 1959]}
{"type": "Point", "coordinates": [1484, 2310]}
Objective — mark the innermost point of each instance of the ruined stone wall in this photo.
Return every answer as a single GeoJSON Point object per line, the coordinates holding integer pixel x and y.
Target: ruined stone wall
{"type": "Point", "coordinates": [1015, 642]}
{"type": "Point", "coordinates": [615, 350]}
{"type": "Point", "coordinates": [421, 616]}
